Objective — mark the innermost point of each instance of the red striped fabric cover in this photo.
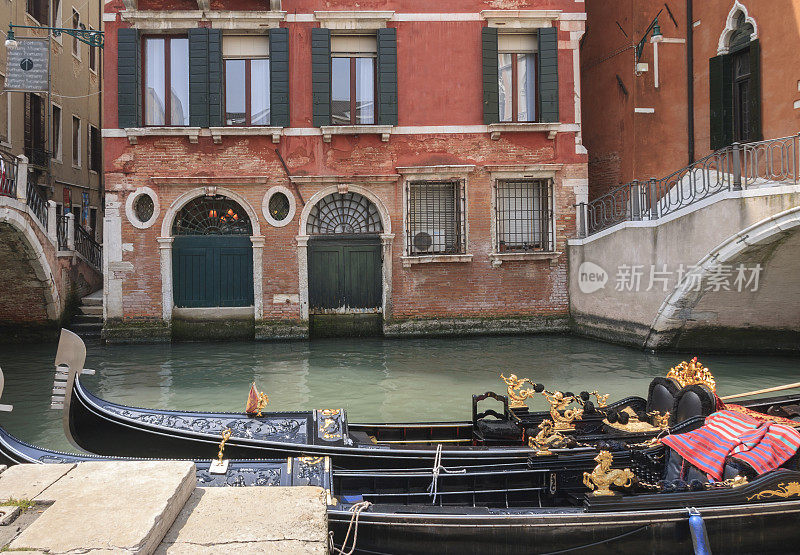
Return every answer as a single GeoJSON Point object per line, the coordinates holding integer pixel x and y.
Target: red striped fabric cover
{"type": "Point", "coordinates": [763, 445]}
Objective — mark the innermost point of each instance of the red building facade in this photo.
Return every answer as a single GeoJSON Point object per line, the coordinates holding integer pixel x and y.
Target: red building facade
{"type": "Point", "coordinates": [412, 170]}
{"type": "Point", "coordinates": [719, 72]}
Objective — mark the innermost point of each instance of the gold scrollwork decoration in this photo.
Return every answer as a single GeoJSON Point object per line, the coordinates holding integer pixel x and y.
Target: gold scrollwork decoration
{"type": "Point", "coordinates": [603, 476]}
{"type": "Point", "coordinates": [784, 490]}
{"type": "Point", "coordinates": [516, 395]}
{"type": "Point", "coordinates": [691, 373]}
{"type": "Point", "coordinates": [311, 460]}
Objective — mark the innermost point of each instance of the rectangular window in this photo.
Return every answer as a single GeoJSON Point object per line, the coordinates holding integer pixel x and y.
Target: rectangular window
{"type": "Point", "coordinates": [56, 132]}
{"type": "Point", "coordinates": [247, 81]}
{"type": "Point", "coordinates": [92, 56]}
{"type": "Point", "coordinates": [435, 218]}
{"type": "Point", "coordinates": [166, 68]}
{"type": "Point", "coordinates": [524, 216]}
{"type": "Point", "coordinates": [5, 113]}
{"type": "Point", "coordinates": [76, 24]}
{"type": "Point", "coordinates": [76, 141]}
{"type": "Point", "coordinates": [38, 10]}
{"type": "Point", "coordinates": [94, 154]}
{"type": "Point", "coordinates": [57, 14]}
{"type": "Point", "coordinates": [517, 60]}
{"type": "Point", "coordinates": [353, 79]}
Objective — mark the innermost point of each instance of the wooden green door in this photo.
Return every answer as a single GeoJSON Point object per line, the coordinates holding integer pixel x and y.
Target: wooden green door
{"type": "Point", "coordinates": [345, 274]}
{"type": "Point", "coordinates": [212, 270]}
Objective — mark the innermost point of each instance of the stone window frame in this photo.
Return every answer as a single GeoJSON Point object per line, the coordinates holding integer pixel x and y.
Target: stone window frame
{"type": "Point", "coordinates": [130, 207]}
{"type": "Point", "coordinates": [410, 174]}
{"type": "Point", "coordinates": [292, 206]}
{"type": "Point", "coordinates": [355, 22]}
{"type": "Point", "coordinates": [723, 47]}
{"type": "Point", "coordinates": [523, 172]}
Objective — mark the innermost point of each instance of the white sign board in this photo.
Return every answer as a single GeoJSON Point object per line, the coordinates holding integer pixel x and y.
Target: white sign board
{"type": "Point", "coordinates": [28, 66]}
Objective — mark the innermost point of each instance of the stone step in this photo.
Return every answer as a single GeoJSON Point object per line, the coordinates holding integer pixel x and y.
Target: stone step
{"type": "Point", "coordinates": [87, 319]}
{"type": "Point", "coordinates": [95, 299]}
{"type": "Point", "coordinates": [92, 310]}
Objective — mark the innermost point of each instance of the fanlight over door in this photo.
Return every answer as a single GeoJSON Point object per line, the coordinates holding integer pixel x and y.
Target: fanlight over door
{"type": "Point", "coordinates": [349, 213]}
{"type": "Point", "coordinates": [212, 255]}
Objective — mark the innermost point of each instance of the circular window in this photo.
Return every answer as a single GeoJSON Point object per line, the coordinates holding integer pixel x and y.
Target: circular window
{"type": "Point", "coordinates": [278, 206]}
{"type": "Point", "coordinates": [142, 208]}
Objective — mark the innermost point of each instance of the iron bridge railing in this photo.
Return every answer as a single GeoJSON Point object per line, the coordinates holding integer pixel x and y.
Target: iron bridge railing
{"type": "Point", "coordinates": [62, 227]}
{"type": "Point", "coordinates": [739, 166]}
{"type": "Point", "coordinates": [37, 204]}
{"type": "Point", "coordinates": [87, 247]}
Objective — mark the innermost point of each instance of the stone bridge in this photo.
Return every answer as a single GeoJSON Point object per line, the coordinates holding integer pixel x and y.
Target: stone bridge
{"type": "Point", "coordinates": [46, 265]}
{"type": "Point", "coordinates": [722, 273]}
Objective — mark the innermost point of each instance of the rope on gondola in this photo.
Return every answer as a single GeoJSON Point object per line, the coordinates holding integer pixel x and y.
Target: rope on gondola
{"type": "Point", "coordinates": [356, 510]}
{"type": "Point", "coordinates": [601, 542]}
{"type": "Point", "coordinates": [433, 489]}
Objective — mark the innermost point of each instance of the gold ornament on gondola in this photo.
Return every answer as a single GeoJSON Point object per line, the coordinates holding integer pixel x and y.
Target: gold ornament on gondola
{"type": "Point", "coordinates": [256, 401]}
{"type": "Point", "coordinates": [692, 373]}
{"type": "Point", "coordinates": [226, 435]}
{"type": "Point", "coordinates": [516, 395]}
{"type": "Point", "coordinates": [603, 476]}
{"type": "Point", "coordinates": [602, 400]}
{"type": "Point", "coordinates": [546, 439]}
{"type": "Point", "coordinates": [563, 417]}
{"type": "Point", "coordinates": [660, 420]}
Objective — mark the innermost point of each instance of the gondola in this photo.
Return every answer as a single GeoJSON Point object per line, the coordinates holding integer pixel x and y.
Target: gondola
{"type": "Point", "coordinates": [492, 437]}
{"type": "Point", "coordinates": [734, 515]}
{"type": "Point", "coordinates": [298, 471]}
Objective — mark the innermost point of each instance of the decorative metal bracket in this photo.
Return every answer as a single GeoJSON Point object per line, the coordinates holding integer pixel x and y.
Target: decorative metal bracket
{"type": "Point", "coordinates": [88, 36]}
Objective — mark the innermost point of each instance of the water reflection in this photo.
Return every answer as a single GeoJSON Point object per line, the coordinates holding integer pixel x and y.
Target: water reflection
{"type": "Point", "coordinates": [374, 379]}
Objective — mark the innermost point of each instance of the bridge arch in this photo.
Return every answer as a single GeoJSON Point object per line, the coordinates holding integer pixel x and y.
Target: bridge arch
{"type": "Point", "coordinates": [17, 222]}
{"type": "Point", "coordinates": [763, 243]}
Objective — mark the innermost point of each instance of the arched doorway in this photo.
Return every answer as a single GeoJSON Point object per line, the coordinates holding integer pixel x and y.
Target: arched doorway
{"type": "Point", "coordinates": [344, 255]}
{"type": "Point", "coordinates": [212, 254]}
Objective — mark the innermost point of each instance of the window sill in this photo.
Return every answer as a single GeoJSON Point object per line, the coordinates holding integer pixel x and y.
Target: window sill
{"type": "Point", "coordinates": [218, 132]}
{"type": "Point", "coordinates": [495, 129]}
{"type": "Point", "coordinates": [409, 261]}
{"type": "Point", "coordinates": [383, 130]}
{"type": "Point", "coordinates": [498, 258]}
{"type": "Point", "coordinates": [133, 133]}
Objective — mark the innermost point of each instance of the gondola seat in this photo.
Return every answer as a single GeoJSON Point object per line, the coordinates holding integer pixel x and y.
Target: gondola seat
{"type": "Point", "coordinates": [661, 395]}
{"type": "Point", "coordinates": [691, 401]}
{"type": "Point", "coordinates": [490, 425]}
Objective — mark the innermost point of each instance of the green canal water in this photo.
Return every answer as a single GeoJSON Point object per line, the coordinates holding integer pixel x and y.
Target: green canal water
{"type": "Point", "coordinates": [376, 380]}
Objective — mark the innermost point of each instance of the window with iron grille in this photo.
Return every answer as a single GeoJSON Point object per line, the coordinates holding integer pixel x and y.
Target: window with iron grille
{"type": "Point", "coordinates": [524, 215]}
{"type": "Point", "coordinates": [435, 218]}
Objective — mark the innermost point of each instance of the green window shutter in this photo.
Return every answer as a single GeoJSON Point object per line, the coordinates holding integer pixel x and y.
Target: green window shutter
{"type": "Point", "coordinates": [754, 93]}
{"type": "Point", "coordinates": [321, 76]}
{"type": "Point", "coordinates": [279, 77]}
{"type": "Point", "coordinates": [129, 78]}
{"type": "Point", "coordinates": [721, 101]}
{"type": "Point", "coordinates": [387, 77]}
{"type": "Point", "coordinates": [216, 78]}
{"type": "Point", "coordinates": [198, 77]}
{"type": "Point", "coordinates": [548, 75]}
{"type": "Point", "coordinates": [491, 88]}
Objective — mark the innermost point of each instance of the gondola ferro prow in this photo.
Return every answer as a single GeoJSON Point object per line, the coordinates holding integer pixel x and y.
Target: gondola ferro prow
{"type": "Point", "coordinates": [69, 361]}
{"type": "Point", "coordinates": [4, 408]}
{"type": "Point", "coordinates": [603, 476]}
{"type": "Point", "coordinates": [220, 465]}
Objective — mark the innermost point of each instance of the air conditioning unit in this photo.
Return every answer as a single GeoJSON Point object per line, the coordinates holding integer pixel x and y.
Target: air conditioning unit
{"type": "Point", "coordinates": [429, 241]}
